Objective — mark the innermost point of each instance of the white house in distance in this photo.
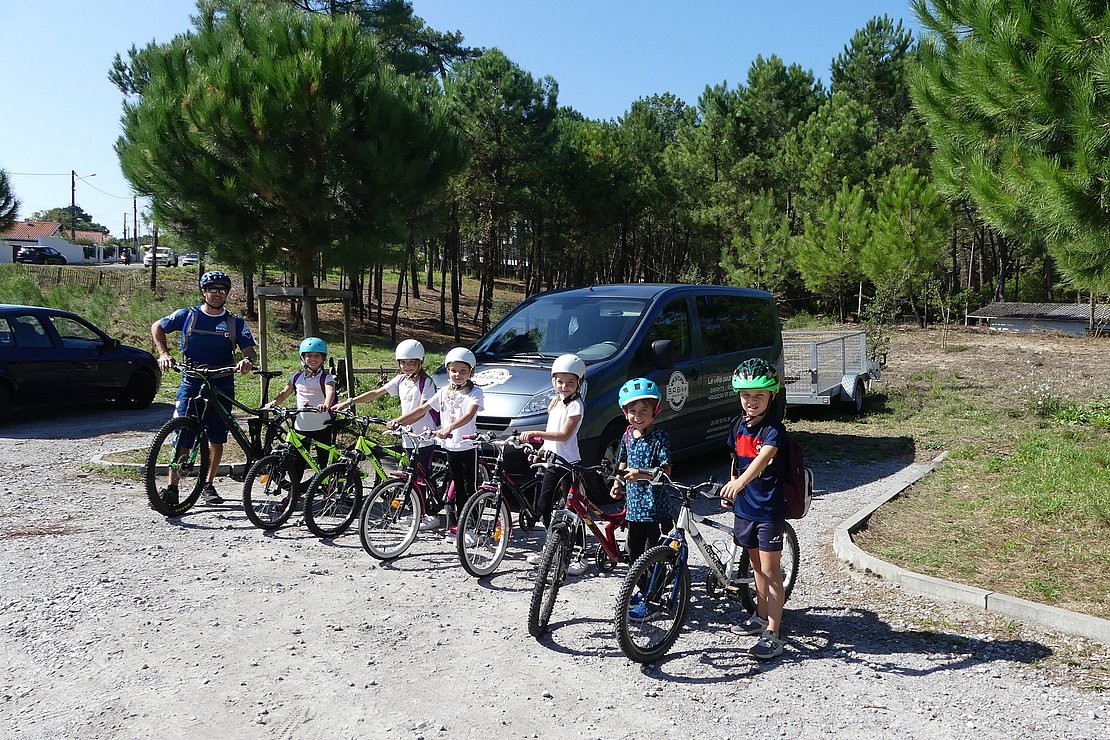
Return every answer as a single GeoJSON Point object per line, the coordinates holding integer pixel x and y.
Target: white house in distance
{"type": "Point", "coordinates": [51, 234]}
{"type": "Point", "coordinates": [1069, 318]}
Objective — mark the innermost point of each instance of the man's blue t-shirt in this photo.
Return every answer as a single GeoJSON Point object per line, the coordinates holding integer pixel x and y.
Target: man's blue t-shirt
{"type": "Point", "coordinates": [210, 342]}
{"type": "Point", "coordinates": [763, 500]}
{"type": "Point", "coordinates": [644, 502]}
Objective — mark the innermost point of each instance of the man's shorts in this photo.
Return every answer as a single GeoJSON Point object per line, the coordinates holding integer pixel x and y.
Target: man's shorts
{"type": "Point", "coordinates": [765, 536]}
{"type": "Point", "coordinates": [217, 431]}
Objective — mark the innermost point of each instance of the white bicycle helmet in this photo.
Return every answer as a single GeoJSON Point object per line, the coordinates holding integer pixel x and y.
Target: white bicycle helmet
{"type": "Point", "coordinates": [410, 349]}
{"type": "Point", "coordinates": [572, 364]}
{"type": "Point", "coordinates": [460, 354]}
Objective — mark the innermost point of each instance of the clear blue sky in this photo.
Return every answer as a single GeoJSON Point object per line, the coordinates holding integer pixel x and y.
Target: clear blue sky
{"type": "Point", "coordinates": [62, 114]}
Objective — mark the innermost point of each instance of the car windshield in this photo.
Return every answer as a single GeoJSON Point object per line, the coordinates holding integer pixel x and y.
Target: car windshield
{"type": "Point", "coordinates": [592, 327]}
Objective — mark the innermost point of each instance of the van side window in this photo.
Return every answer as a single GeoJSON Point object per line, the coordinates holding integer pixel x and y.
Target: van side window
{"type": "Point", "coordinates": [733, 323]}
{"type": "Point", "coordinates": [673, 324]}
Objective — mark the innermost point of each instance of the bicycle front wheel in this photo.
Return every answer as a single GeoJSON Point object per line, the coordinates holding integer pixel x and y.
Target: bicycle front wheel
{"type": "Point", "coordinates": [333, 499]}
{"type": "Point", "coordinates": [176, 466]}
{"type": "Point", "coordinates": [549, 577]}
{"type": "Point", "coordinates": [484, 528]}
{"type": "Point", "coordinates": [269, 491]}
{"type": "Point", "coordinates": [788, 565]}
{"type": "Point", "coordinates": [651, 605]}
{"type": "Point", "coordinates": [390, 519]}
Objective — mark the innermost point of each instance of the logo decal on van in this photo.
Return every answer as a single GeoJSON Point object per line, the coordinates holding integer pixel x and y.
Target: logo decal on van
{"type": "Point", "coordinates": [678, 390]}
{"type": "Point", "coordinates": [488, 378]}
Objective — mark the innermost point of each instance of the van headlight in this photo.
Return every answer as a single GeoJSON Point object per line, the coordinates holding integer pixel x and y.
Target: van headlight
{"type": "Point", "coordinates": [539, 403]}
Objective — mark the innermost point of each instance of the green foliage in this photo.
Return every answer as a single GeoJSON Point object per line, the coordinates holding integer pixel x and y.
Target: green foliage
{"type": "Point", "coordinates": [65, 215]}
{"type": "Point", "coordinates": [19, 288]}
{"type": "Point", "coordinates": [1015, 98]}
{"type": "Point", "coordinates": [759, 256]}
{"type": "Point", "coordinates": [872, 70]}
{"type": "Point", "coordinates": [9, 204]}
{"type": "Point", "coordinates": [828, 250]}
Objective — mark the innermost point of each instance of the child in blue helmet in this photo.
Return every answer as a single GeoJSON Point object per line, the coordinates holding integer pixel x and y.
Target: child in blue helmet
{"type": "Point", "coordinates": [642, 446]}
{"type": "Point", "coordinates": [315, 390]}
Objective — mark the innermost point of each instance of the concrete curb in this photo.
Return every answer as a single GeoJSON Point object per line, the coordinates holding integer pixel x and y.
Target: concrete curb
{"type": "Point", "coordinates": [224, 469]}
{"type": "Point", "coordinates": [1052, 617]}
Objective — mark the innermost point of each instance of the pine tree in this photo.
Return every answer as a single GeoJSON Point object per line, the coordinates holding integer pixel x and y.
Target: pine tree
{"type": "Point", "coordinates": [9, 204]}
{"type": "Point", "coordinates": [828, 250]}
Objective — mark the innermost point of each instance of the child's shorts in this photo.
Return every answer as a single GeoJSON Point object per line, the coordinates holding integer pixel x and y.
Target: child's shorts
{"type": "Point", "coordinates": [765, 536]}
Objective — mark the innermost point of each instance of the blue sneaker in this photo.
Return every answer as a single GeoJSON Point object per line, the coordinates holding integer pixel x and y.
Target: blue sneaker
{"type": "Point", "coordinates": [643, 612]}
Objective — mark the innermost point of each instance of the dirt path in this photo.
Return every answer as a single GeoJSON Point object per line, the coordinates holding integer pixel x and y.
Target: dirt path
{"type": "Point", "coordinates": [115, 622]}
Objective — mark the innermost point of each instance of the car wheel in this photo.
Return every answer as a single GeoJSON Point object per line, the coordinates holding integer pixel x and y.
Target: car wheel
{"type": "Point", "coordinates": [139, 392]}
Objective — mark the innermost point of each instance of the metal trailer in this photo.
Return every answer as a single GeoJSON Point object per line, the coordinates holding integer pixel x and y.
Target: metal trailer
{"type": "Point", "coordinates": [825, 367]}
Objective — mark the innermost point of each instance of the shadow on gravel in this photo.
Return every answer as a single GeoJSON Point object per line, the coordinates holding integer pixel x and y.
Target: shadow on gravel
{"type": "Point", "coordinates": [859, 636]}
{"type": "Point", "coordinates": [69, 423]}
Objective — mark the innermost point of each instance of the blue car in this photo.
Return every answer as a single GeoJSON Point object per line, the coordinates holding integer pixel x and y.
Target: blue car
{"type": "Point", "coordinates": [54, 357]}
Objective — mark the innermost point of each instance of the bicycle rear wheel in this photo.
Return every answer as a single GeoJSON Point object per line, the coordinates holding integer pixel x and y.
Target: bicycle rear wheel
{"type": "Point", "coordinates": [176, 466]}
{"type": "Point", "coordinates": [269, 492]}
{"type": "Point", "coordinates": [390, 519]}
{"type": "Point", "coordinates": [788, 565]}
{"type": "Point", "coordinates": [333, 499]}
{"type": "Point", "coordinates": [549, 577]}
{"type": "Point", "coordinates": [484, 528]}
{"type": "Point", "coordinates": [651, 605]}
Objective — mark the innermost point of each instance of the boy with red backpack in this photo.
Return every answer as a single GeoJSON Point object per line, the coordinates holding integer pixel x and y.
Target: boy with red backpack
{"type": "Point", "coordinates": [756, 490]}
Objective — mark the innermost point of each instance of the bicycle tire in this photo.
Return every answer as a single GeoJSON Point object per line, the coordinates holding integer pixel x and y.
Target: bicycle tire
{"type": "Point", "coordinates": [549, 577]}
{"type": "Point", "coordinates": [381, 524]}
{"type": "Point", "coordinates": [159, 460]}
{"type": "Point", "coordinates": [269, 492]}
{"type": "Point", "coordinates": [667, 597]}
{"type": "Point", "coordinates": [788, 565]}
{"type": "Point", "coordinates": [333, 499]}
{"type": "Point", "coordinates": [486, 519]}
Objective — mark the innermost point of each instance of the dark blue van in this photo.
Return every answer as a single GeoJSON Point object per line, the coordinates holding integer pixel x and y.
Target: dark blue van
{"type": "Point", "coordinates": [687, 338]}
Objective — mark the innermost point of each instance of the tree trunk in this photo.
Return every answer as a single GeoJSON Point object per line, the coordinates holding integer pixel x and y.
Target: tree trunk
{"type": "Point", "coordinates": [248, 285]}
{"type": "Point", "coordinates": [310, 319]}
{"type": "Point", "coordinates": [397, 303]}
{"type": "Point", "coordinates": [414, 269]}
{"type": "Point", "coordinates": [456, 278]}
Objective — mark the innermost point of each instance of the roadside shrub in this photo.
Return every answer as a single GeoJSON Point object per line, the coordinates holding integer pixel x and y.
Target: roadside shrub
{"type": "Point", "coordinates": [20, 289]}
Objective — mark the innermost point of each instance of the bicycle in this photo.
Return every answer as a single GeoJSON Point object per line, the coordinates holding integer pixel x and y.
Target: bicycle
{"type": "Point", "coordinates": [176, 465]}
{"type": "Point", "coordinates": [270, 493]}
{"type": "Point", "coordinates": [335, 494]}
{"type": "Point", "coordinates": [563, 531]}
{"type": "Point", "coordinates": [660, 578]}
{"type": "Point", "coordinates": [486, 520]}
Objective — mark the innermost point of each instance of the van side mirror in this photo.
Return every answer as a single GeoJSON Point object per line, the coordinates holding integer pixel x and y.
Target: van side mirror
{"type": "Point", "coordinates": [662, 353]}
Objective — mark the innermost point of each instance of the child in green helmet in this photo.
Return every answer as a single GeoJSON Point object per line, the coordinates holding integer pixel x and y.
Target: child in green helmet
{"type": "Point", "coordinates": [756, 492]}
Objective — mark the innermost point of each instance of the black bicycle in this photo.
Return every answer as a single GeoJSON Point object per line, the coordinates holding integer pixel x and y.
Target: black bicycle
{"type": "Point", "coordinates": [176, 465]}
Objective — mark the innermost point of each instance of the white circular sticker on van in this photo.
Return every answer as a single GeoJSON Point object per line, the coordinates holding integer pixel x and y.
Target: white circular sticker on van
{"type": "Point", "coordinates": [678, 390]}
{"type": "Point", "coordinates": [491, 377]}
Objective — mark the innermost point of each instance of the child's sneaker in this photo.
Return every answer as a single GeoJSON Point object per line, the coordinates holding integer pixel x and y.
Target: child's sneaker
{"type": "Point", "coordinates": [451, 534]}
{"type": "Point", "coordinates": [642, 612]}
{"type": "Point", "coordinates": [769, 646]}
{"type": "Point", "coordinates": [429, 522]}
{"type": "Point", "coordinates": [753, 625]}
{"type": "Point", "coordinates": [211, 498]}
{"type": "Point", "coordinates": [577, 567]}
{"type": "Point", "coordinates": [534, 558]}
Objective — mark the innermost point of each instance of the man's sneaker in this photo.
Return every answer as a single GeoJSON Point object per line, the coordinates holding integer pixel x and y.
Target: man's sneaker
{"type": "Point", "coordinates": [642, 612]}
{"type": "Point", "coordinates": [211, 498]}
{"type": "Point", "coordinates": [753, 625]}
{"type": "Point", "coordinates": [169, 495]}
{"type": "Point", "coordinates": [430, 522]}
{"type": "Point", "coordinates": [769, 646]}
{"type": "Point", "coordinates": [534, 558]}
{"type": "Point", "coordinates": [577, 567]}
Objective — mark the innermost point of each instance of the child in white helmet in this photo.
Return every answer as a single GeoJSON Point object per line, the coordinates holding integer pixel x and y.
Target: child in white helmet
{"type": "Point", "coordinates": [414, 387]}
{"type": "Point", "coordinates": [564, 417]}
{"type": "Point", "coordinates": [458, 405]}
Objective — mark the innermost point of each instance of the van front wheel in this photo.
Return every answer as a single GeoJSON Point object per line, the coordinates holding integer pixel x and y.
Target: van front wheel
{"type": "Point", "coordinates": [611, 442]}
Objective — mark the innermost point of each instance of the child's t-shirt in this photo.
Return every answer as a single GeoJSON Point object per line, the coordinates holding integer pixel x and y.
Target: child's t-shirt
{"type": "Point", "coordinates": [411, 396]}
{"type": "Point", "coordinates": [453, 405]}
{"type": "Point", "coordinates": [762, 500]}
{"type": "Point", "coordinates": [644, 502]}
{"type": "Point", "coordinates": [556, 420]}
{"type": "Point", "coordinates": [311, 391]}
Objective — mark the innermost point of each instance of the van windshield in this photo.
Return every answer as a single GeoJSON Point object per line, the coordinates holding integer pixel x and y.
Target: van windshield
{"type": "Point", "coordinates": [592, 327]}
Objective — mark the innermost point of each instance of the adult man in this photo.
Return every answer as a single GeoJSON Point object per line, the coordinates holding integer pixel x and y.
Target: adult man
{"type": "Point", "coordinates": [209, 335]}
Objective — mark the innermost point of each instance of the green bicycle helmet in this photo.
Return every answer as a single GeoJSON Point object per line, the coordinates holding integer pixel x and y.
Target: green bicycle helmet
{"type": "Point", "coordinates": [755, 374]}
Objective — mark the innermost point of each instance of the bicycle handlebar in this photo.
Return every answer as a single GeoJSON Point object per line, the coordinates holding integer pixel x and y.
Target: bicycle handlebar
{"type": "Point", "coordinates": [707, 489]}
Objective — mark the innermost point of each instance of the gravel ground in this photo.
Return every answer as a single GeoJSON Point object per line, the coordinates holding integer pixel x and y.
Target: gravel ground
{"type": "Point", "coordinates": [115, 622]}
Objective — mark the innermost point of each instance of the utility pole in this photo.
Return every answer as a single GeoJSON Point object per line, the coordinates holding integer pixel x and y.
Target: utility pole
{"type": "Point", "coordinates": [135, 222]}
{"type": "Point", "coordinates": [73, 205]}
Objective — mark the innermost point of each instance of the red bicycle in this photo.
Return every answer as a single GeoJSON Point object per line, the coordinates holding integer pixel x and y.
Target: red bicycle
{"type": "Point", "coordinates": [564, 531]}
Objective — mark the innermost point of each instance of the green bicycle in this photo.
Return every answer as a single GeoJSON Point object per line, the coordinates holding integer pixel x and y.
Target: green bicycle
{"type": "Point", "coordinates": [271, 490]}
{"type": "Point", "coordinates": [334, 495]}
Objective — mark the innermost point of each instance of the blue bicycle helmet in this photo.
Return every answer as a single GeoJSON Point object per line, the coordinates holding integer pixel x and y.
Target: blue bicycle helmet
{"type": "Point", "coordinates": [313, 344]}
{"type": "Point", "coordinates": [215, 277]}
{"type": "Point", "coordinates": [638, 388]}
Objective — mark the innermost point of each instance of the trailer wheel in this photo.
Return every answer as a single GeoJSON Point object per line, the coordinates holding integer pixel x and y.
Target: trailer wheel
{"type": "Point", "coordinates": [855, 403]}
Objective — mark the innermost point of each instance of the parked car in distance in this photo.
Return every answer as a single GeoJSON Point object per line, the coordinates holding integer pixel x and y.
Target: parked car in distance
{"type": "Point", "coordinates": [34, 255]}
{"type": "Point", "coordinates": [166, 258]}
{"type": "Point", "coordinates": [192, 258]}
{"type": "Point", "coordinates": [54, 357]}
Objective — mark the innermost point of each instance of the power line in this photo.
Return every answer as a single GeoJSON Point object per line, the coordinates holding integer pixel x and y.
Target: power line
{"type": "Point", "coordinates": [44, 174]}
{"type": "Point", "coordinates": [94, 187]}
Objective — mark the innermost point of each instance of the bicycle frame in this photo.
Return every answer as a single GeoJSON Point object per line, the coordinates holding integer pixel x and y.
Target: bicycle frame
{"type": "Point", "coordinates": [503, 483]}
{"type": "Point", "coordinates": [579, 509]}
{"type": "Point", "coordinates": [208, 399]}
